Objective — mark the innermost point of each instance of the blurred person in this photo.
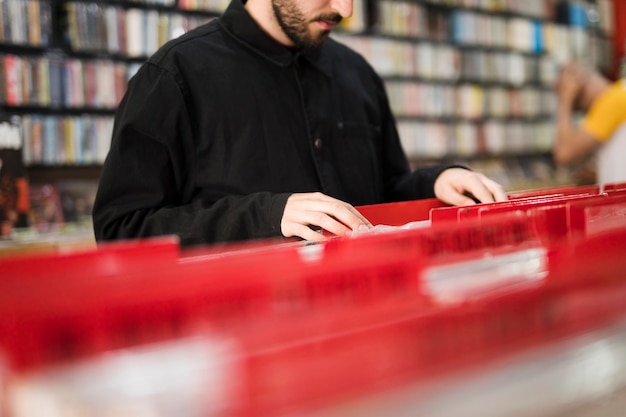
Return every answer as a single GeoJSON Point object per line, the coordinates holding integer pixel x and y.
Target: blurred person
{"type": "Point", "coordinates": [602, 131]}
{"type": "Point", "coordinates": [258, 125]}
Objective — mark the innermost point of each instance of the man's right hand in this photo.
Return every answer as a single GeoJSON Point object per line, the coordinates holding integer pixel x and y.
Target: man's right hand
{"type": "Point", "coordinates": [305, 212]}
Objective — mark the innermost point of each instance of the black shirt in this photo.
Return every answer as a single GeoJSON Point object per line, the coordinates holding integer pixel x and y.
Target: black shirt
{"type": "Point", "coordinates": [221, 125]}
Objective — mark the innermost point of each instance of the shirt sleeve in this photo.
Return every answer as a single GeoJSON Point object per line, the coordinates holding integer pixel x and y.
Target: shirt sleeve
{"type": "Point", "coordinates": [147, 186]}
{"type": "Point", "coordinates": [607, 112]}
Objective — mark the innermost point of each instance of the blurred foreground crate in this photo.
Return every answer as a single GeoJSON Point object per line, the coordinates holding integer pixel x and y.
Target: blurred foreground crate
{"type": "Point", "coordinates": [408, 319]}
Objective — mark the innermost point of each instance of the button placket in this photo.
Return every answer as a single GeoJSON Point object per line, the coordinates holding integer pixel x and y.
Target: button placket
{"type": "Point", "coordinates": [318, 143]}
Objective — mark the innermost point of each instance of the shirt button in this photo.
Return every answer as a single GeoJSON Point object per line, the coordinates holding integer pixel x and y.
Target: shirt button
{"type": "Point", "coordinates": [318, 143]}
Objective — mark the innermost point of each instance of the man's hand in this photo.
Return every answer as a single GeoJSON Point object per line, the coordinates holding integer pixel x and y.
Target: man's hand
{"type": "Point", "coordinates": [305, 212]}
{"type": "Point", "coordinates": [456, 186]}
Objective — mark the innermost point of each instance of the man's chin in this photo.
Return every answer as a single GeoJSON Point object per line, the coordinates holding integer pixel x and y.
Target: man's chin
{"type": "Point", "coordinates": [320, 39]}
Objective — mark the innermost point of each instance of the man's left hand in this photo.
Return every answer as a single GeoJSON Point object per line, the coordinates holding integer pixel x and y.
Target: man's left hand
{"type": "Point", "coordinates": [457, 186]}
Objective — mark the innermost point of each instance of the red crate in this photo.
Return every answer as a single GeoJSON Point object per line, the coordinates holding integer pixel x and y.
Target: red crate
{"type": "Point", "coordinates": [614, 186]}
{"type": "Point", "coordinates": [319, 360]}
{"type": "Point", "coordinates": [400, 213]}
{"type": "Point", "coordinates": [226, 287]}
{"type": "Point", "coordinates": [321, 324]}
{"type": "Point", "coordinates": [555, 191]}
{"type": "Point", "coordinates": [325, 359]}
{"type": "Point", "coordinates": [339, 358]}
{"type": "Point", "coordinates": [109, 259]}
{"type": "Point", "coordinates": [41, 319]}
{"type": "Point", "coordinates": [461, 213]}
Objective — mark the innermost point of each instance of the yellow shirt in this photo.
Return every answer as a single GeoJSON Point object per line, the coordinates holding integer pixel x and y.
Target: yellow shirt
{"type": "Point", "coordinates": [607, 112]}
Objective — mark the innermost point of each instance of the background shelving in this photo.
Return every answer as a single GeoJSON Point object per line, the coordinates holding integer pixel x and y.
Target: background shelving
{"type": "Point", "coordinates": [64, 67]}
{"type": "Point", "coordinates": [469, 81]}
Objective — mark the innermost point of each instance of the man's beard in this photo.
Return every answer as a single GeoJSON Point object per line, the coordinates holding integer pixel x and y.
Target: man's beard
{"type": "Point", "coordinates": [295, 25]}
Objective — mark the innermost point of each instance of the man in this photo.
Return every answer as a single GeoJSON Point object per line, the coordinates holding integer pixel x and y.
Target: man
{"type": "Point", "coordinates": [602, 132]}
{"type": "Point", "coordinates": [256, 125]}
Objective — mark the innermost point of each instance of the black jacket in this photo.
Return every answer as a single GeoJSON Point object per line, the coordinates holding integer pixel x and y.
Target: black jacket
{"type": "Point", "coordinates": [221, 125]}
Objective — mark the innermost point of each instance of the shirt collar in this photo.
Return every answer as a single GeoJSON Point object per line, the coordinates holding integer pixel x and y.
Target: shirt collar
{"type": "Point", "coordinates": [237, 21]}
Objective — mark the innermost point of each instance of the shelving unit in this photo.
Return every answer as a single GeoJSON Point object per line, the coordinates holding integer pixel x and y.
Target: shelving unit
{"type": "Point", "coordinates": [66, 65]}
{"type": "Point", "coordinates": [470, 81]}
{"type": "Point", "coordinates": [473, 81]}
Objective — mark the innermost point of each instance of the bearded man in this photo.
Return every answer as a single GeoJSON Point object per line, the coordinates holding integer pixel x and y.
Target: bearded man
{"type": "Point", "coordinates": [258, 125]}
